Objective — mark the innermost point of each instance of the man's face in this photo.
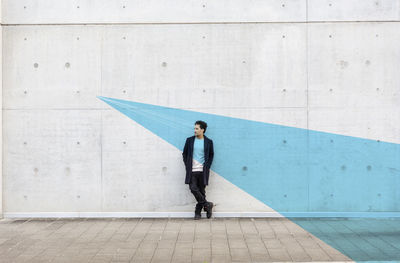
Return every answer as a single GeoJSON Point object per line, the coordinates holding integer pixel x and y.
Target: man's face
{"type": "Point", "coordinates": [197, 130]}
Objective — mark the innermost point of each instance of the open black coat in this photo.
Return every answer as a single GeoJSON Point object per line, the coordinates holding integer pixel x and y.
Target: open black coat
{"type": "Point", "coordinates": [188, 158]}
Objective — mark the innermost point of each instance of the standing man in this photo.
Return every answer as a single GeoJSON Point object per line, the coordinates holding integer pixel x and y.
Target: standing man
{"type": "Point", "coordinates": [198, 155]}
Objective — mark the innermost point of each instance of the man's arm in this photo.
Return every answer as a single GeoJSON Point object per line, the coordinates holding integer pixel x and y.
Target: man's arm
{"type": "Point", "coordinates": [184, 153]}
{"type": "Point", "coordinates": [211, 157]}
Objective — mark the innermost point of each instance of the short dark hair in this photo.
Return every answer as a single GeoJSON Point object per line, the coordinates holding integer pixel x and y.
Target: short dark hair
{"type": "Point", "coordinates": [203, 125]}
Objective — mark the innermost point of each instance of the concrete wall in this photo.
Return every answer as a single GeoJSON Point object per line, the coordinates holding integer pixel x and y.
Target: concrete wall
{"type": "Point", "coordinates": [328, 66]}
{"type": "Point", "coordinates": [1, 116]}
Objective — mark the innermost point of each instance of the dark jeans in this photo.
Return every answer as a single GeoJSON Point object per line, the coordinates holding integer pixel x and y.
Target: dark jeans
{"type": "Point", "coordinates": [197, 188]}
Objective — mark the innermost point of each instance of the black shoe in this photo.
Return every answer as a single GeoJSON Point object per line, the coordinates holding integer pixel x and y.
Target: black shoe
{"type": "Point", "coordinates": [208, 208]}
{"type": "Point", "coordinates": [197, 212]}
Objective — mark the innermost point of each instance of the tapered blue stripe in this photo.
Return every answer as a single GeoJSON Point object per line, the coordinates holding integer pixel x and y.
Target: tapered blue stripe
{"type": "Point", "coordinates": [289, 169]}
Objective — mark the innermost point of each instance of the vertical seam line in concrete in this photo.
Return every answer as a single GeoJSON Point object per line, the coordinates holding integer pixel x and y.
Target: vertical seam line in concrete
{"type": "Point", "coordinates": [2, 188]}
{"type": "Point", "coordinates": [308, 130]}
{"type": "Point", "coordinates": [101, 123]}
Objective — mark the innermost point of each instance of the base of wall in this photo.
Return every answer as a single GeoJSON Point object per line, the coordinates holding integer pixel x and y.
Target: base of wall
{"type": "Point", "coordinates": [191, 214]}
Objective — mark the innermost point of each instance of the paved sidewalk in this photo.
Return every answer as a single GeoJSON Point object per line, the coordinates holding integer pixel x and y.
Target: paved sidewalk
{"type": "Point", "coordinates": [160, 240]}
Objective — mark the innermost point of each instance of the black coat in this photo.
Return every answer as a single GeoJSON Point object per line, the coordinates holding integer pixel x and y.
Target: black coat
{"type": "Point", "coordinates": [187, 155]}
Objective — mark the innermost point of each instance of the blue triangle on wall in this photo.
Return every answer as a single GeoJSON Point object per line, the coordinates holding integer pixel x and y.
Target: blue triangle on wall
{"type": "Point", "coordinates": [289, 169]}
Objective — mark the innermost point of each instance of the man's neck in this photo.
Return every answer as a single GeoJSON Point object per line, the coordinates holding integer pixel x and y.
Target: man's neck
{"type": "Point", "coordinates": [198, 137]}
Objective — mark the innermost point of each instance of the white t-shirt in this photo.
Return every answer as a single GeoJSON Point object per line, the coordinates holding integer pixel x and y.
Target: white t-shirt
{"type": "Point", "coordinates": [196, 166]}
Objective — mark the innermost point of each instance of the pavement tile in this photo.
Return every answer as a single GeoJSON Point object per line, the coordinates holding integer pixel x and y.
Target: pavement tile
{"type": "Point", "coordinates": [279, 254]}
{"type": "Point", "coordinates": [317, 254]}
{"type": "Point", "coordinates": [223, 249]}
{"type": "Point", "coordinates": [260, 257]}
{"type": "Point", "coordinates": [297, 254]}
{"type": "Point", "coordinates": [201, 254]}
{"type": "Point", "coordinates": [272, 243]}
{"type": "Point", "coordinates": [162, 255]}
{"type": "Point", "coordinates": [221, 258]}
{"type": "Point", "coordinates": [240, 254]}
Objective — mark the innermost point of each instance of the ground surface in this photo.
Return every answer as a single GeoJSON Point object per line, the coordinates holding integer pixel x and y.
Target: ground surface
{"type": "Point", "coordinates": [181, 240]}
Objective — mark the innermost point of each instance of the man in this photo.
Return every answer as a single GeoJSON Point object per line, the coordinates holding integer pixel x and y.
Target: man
{"type": "Point", "coordinates": [198, 155]}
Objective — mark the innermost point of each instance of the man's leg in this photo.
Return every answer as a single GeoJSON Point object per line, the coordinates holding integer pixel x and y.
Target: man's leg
{"type": "Point", "coordinates": [202, 188]}
{"type": "Point", "coordinates": [196, 190]}
{"type": "Point", "coordinates": [207, 205]}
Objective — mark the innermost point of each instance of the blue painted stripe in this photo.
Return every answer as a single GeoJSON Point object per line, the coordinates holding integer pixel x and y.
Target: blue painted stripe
{"type": "Point", "coordinates": [289, 169]}
{"type": "Point", "coordinates": [295, 170]}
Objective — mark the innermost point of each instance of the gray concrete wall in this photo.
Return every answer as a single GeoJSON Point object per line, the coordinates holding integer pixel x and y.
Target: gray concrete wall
{"type": "Point", "coordinates": [324, 65]}
{"type": "Point", "coordinates": [1, 116]}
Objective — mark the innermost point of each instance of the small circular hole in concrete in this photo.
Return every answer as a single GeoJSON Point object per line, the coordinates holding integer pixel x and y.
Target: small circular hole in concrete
{"type": "Point", "coordinates": [369, 167]}
{"type": "Point", "coordinates": [36, 65]}
{"type": "Point", "coordinates": [67, 65]}
{"type": "Point", "coordinates": [77, 142]}
{"type": "Point", "coordinates": [25, 92]}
